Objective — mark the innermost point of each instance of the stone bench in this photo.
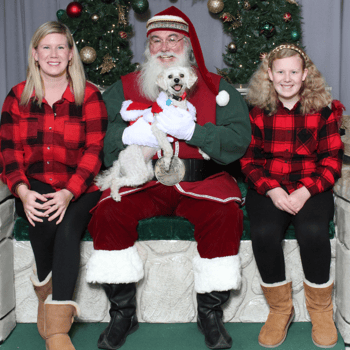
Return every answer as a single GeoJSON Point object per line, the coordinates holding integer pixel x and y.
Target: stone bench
{"type": "Point", "coordinates": [166, 294]}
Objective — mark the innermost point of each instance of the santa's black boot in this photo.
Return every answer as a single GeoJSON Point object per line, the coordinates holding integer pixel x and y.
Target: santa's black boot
{"type": "Point", "coordinates": [123, 315]}
{"type": "Point", "coordinates": [209, 319]}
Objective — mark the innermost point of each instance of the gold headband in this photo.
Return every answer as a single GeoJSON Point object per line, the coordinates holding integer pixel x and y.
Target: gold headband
{"type": "Point", "coordinates": [290, 47]}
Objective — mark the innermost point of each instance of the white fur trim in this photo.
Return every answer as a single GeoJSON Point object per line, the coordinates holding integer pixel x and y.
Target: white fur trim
{"type": "Point", "coordinates": [163, 97]}
{"type": "Point", "coordinates": [223, 98]}
{"type": "Point", "coordinates": [63, 302]}
{"type": "Point", "coordinates": [133, 114]}
{"type": "Point", "coordinates": [35, 280]}
{"type": "Point", "coordinates": [114, 266]}
{"type": "Point", "coordinates": [277, 284]}
{"type": "Point", "coordinates": [314, 285]}
{"type": "Point", "coordinates": [218, 274]}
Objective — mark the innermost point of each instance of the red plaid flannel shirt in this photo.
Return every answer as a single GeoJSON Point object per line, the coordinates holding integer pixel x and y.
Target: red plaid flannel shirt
{"type": "Point", "coordinates": [61, 146]}
{"type": "Point", "coordinates": [291, 150]}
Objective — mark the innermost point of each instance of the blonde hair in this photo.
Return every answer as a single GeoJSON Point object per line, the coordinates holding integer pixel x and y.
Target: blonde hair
{"type": "Point", "coordinates": [313, 93]}
{"type": "Point", "coordinates": [75, 69]}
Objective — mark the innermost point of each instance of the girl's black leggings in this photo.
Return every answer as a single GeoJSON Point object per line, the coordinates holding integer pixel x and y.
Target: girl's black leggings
{"type": "Point", "coordinates": [268, 225]}
{"type": "Point", "coordinates": [57, 247]}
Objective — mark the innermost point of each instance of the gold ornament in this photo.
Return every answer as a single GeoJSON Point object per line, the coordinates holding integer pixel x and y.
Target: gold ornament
{"type": "Point", "coordinates": [247, 5]}
{"type": "Point", "coordinates": [292, 2]}
{"type": "Point", "coordinates": [122, 20]}
{"type": "Point", "coordinates": [95, 17]}
{"type": "Point", "coordinates": [215, 6]}
{"type": "Point", "coordinates": [232, 47]}
{"type": "Point", "coordinates": [88, 54]}
{"type": "Point", "coordinates": [107, 64]}
{"type": "Point", "coordinates": [237, 21]}
{"type": "Point", "coordinates": [227, 17]}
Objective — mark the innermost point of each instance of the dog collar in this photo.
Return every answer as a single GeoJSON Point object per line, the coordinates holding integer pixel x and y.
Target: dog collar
{"type": "Point", "coordinates": [180, 98]}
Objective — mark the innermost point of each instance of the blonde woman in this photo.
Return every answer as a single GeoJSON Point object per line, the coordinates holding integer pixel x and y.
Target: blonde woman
{"type": "Point", "coordinates": [52, 130]}
{"type": "Point", "coordinates": [291, 165]}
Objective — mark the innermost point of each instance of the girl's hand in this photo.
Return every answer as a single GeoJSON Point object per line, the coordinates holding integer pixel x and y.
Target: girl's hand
{"type": "Point", "coordinates": [57, 204]}
{"type": "Point", "coordinates": [30, 205]}
{"type": "Point", "coordinates": [298, 198]}
{"type": "Point", "coordinates": [280, 199]}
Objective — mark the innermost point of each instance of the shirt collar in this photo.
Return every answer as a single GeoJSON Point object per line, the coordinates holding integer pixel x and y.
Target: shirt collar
{"type": "Point", "coordinates": [295, 109]}
{"type": "Point", "coordinates": [67, 95]}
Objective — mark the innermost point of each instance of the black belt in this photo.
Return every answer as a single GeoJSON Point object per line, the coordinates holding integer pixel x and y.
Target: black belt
{"type": "Point", "coordinates": [194, 169]}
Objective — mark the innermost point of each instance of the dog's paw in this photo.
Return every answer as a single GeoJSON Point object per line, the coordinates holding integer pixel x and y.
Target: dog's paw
{"type": "Point", "coordinates": [166, 163]}
{"type": "Point", "coordinates": [116, 196]}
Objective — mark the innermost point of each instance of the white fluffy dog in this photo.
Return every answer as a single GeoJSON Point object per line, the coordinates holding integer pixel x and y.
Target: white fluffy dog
{"type": "Point", "coordinates": [134, 164]}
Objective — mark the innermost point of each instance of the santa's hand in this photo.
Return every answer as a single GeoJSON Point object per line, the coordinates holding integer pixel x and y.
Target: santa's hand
{"type": "Point", "coordinates": [176, 122]}
{"type": "Point", "coordinates": [140, 133]}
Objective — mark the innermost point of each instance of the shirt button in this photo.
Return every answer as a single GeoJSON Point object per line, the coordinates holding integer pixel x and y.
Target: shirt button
{"type": "Point", "coordinates": [54, 114]}
{"type": "Point", "coordinates": [50, 128]}
{"type": "Point", "coordinates": [48, 162]}
{"type": "Point", "coordinates": [48, 148]}
{"type": "Point", "coordinates": [50, 179]}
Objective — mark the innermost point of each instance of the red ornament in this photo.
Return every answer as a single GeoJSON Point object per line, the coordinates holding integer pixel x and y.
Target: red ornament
{"type": "Point", "coordinates": [123, 35]}
{"type": "Point", "coordinates": [74, 9]}
{"type": "Point", "coordinates": [287, 17]}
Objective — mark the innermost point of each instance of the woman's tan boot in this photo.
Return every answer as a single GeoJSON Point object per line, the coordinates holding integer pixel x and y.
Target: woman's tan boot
{"type": "Point", "coordinates": [59, 316]}
{"type": "Point", "coordinates": [279, 298]}
{"type": "Point", "coordinates": [42, 290]}
{"type": "Point", "coordinates": [319, 304]}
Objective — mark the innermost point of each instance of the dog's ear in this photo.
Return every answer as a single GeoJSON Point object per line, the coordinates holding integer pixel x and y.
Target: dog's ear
{"type": "Point", "coordinates": [161, 81]}
{"type": "Point", "coordinates": [191, 78]}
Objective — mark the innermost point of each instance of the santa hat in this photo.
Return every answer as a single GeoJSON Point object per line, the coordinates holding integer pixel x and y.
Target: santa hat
{"type": "Point", "coordinates": [175, 20]}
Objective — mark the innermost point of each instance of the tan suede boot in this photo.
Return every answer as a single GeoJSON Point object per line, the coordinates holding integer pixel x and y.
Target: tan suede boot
{"type": "Point", "coordinates": [279, 297]}
{"type": "Point", "coordinates": [42, 290]}
{"type": "Point", "coordinates": [319, 304]}
{"type": "Point", "coordinates": [59, 316]}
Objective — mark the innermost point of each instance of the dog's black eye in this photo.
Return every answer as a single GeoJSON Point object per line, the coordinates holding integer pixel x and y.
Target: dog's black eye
{"type": "Point", "coordinates": [170, 76]}
{"type": "Point", "coordinates": [182, 75]}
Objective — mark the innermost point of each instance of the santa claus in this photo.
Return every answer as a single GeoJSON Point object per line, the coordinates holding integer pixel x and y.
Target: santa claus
{"type": "Point", "coordinates": [210, 203]}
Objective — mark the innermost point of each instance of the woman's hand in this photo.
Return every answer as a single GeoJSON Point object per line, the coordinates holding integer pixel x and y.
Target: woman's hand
{"type": "Point", "coordinates": [57, 204]}
{"type": "Point", "coordinates": [30, 205]}
{"type": "Point", "coordinates": [298, 198]}
{"type": "Point", "coordinates": [280, 199]}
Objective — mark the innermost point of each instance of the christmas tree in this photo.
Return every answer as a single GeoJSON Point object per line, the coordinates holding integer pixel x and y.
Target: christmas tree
{"type": "Point", "coordinates": [101, 30]}
{"type": "Point", "coordinates": [256, 27]}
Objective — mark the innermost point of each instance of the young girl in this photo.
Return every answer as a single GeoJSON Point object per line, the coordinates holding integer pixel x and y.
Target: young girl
{"type": "Point", "coordinates": [291, 165]}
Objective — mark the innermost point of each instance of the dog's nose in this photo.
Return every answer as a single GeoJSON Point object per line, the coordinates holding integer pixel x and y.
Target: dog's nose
{"type": "Point", "coordinates": [176, 80]}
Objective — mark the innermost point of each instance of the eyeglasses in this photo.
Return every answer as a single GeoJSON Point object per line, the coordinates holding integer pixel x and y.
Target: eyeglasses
{"type": "Point", "coordinates": [170, 42]}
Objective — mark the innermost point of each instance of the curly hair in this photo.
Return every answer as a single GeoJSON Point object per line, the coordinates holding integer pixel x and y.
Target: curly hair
{"type": "Point", "coordinates": [313, 93]}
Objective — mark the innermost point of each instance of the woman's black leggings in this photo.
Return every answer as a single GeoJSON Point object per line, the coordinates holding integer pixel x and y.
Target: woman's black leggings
{"type": "Point", "coordinates": [268, 225]}
{"type": "Point", "coordinates": [57, 247]}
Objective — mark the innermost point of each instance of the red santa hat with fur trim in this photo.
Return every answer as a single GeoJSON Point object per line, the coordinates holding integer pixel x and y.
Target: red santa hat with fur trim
{"type": "Point", "coordinates": [175, 20]}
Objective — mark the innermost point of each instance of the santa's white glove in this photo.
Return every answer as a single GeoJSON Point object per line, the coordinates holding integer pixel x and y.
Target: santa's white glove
{"type": "Point", "coordinates": [176, 122]}
{"type": "Point", "coordinates": [140, 133]}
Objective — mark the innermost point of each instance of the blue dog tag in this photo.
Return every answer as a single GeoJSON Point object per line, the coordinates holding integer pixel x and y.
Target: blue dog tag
{"type": "Point", "coordinates": [168, 102]}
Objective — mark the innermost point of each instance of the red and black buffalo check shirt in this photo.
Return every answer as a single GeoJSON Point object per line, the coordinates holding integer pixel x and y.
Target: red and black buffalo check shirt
{"type": "Point", "coordinates": [291, 150]}
{"type": "Point", "coordinates": [59, 145]}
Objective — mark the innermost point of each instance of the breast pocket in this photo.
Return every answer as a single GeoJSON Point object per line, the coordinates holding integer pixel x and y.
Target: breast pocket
{"type": "Point", "coordinates": [306, 142]}
{"type": "Point", "coordinates": [74, 134]}
{"type": "Point", "coordinates": [28, 129]}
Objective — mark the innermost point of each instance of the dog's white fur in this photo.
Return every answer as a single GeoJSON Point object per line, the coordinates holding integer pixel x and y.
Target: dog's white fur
{"type": "Point", "coordinates": [134, 165]}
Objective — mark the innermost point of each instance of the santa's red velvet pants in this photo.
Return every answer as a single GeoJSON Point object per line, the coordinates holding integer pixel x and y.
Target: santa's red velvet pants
{"type": "Point", "coordinates": [217, 229]}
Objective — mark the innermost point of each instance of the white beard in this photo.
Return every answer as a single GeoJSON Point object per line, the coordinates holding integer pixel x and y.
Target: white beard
{"type": "Point", "coordinates": [152, 67]}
